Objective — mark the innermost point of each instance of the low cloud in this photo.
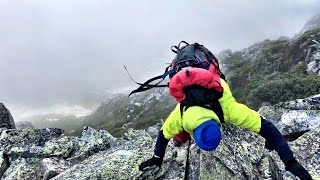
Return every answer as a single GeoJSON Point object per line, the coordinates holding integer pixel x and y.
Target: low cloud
{"type": "Point", "coordinates": [59, 50]}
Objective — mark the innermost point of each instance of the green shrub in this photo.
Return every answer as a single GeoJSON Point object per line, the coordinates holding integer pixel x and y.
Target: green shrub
{"type": "Point", "coordinates": [285, 89]}
{"type": "Point", "coordinates": [118, 132]}
{"type": "Point", "coordinates": [309, 35]}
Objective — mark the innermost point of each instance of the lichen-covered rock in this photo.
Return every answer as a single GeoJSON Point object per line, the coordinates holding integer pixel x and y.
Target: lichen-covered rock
{"type": "Point", "coordinates": [175, 163]}
{"type": "Point", "coordinates": [25, 169]}
{"type": "Point", "coordinates": [34, 168]}
{"type": "Point", "coordinates": [34, 146]}
{"type": "Point", "coordinates": [310, 103]}
{"type": "Point", "coordinates": [48, 154]}
{"type": "Point", "coordinates": [13, 138]}
{"type": "Point", "coordinates": [6, 120]}
{"type": "Point", "coordinates": [264, 168]}
{"type": "Point", "coordinates": [3, 163]}
{"type": "Point", "coordinates": [54, 166]}
{"type": "Point", "coordinates": [121, 162]}
{"type": "Point", "coordinates": [236, 157]}
{"type": "Point", "coordinates": [306, 150]}
{"type": "Point", "coordinates": [294, 117]}
{"type": "Point", "coordinates": [56, 147]}
{"type": "Point", "coordinates": [93, 141]}
{"type": "Point", "coordinates": [1, 130]}
{"type": "Point", "coordinates": [154, 130]}
{"type": "Point", "coordinates": [63, 146]}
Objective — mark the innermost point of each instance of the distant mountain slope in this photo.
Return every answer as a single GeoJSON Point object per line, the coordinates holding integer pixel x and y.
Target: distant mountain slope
{"type": "Point", "coordinates": [138, 112]}
{"type": "Point", "coordinates": [69, 123]}
{"type": "Point", "coordinates": [312, 24]}
{"type": "Point", "coordinates": [269, 72]}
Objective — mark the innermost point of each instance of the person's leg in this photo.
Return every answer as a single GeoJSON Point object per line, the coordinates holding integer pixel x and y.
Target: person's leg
{"type": "Point", "coordinates": [181, 138]}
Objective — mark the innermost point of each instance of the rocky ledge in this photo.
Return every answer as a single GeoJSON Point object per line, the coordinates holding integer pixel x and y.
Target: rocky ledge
{"type": "Point", "coordinates": [49, 154]}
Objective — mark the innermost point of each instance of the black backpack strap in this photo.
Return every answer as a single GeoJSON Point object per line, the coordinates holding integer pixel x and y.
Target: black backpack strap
{"type": "Point", "coordinates": [216, 108]}
{"type": "Point", "coordinates": [175, 49]}
{"type": "Point", "coordinates": [182, 106]}
{"type": "Point", "coordinates": [200, 96]}
{"type": "Point", "coordinates": [184, 42]}
{"type": "Point", "coordinates": [146, 85]}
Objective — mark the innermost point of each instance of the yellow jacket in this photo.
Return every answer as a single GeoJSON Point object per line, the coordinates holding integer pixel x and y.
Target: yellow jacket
{"type": "Point", "coordinates": [234, 113]}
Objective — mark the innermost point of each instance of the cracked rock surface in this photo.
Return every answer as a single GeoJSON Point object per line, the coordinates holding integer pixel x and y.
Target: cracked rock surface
{"type": "Point", "coordinates": [49, 154]}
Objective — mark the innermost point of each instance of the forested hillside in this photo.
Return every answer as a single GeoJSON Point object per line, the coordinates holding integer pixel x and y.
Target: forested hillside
{"type": "Point", "coordinates": [269, 72]}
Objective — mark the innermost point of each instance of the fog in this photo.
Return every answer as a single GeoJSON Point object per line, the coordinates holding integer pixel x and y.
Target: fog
{"type": "Point", "coordinates": [74, 50]}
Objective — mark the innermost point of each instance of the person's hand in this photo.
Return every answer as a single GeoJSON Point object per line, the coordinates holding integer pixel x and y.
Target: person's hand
{"type": "Point", "coordinates": [153, 165]}
{"type": "Point", "coordinates": [295, 168]}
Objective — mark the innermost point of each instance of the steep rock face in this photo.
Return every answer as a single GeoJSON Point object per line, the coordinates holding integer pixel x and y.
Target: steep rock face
{"type": "Point", "coordinates": [293, 118]}
{"type": "Point", "coordinates": [6, 120]}
{"type": "Point", "coordinates": [313, 52]}
{"type": "Point", "coordinates": [313, 67]}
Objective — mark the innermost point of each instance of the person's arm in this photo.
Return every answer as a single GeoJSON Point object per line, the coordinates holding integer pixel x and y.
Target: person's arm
{"type": "Point", "coordinates": [154, 163]}
{"type": "Point", "coordinates": [242, 116]}
{"type": "Point", "coordinates": [170, 128]}
{"type": "Point", "coordinates": [237, 113]}
{"type": "Point", "coordinates": [161, 145]}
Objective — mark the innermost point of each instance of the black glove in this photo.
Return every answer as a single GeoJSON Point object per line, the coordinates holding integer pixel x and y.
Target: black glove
{"type": "Point", "coordinates": [153, 165]}
{"type": "Point", "coordinates": [295, 168]}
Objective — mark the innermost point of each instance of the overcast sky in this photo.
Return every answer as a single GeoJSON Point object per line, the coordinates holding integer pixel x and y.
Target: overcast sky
{"type": "Point", "coordinates": [60, 49]}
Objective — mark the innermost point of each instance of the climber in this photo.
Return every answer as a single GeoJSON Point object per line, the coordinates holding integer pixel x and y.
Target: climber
{"type": "Point", "coordinates": [204, 103]}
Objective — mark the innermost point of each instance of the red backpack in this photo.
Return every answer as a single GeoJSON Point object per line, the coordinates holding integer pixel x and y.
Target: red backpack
{"type": "Point", "coordinates": [194, 78]}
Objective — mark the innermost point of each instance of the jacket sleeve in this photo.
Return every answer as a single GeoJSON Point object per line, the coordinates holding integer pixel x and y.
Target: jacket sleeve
{"type": "Point", "coordinates": [241, 115]}
{"type": "Point", "coordinates": [173, 125]}
{"type": "Point", "coordinates": [237, 113]}
{"type": "Point", "coordinates": [161, 145]}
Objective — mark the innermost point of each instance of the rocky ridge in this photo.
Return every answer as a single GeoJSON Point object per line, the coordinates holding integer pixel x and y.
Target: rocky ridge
{"type": "Point", "coordinates": [49, 154]}
{"type": "Point", "coordinates": [313, 23]}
